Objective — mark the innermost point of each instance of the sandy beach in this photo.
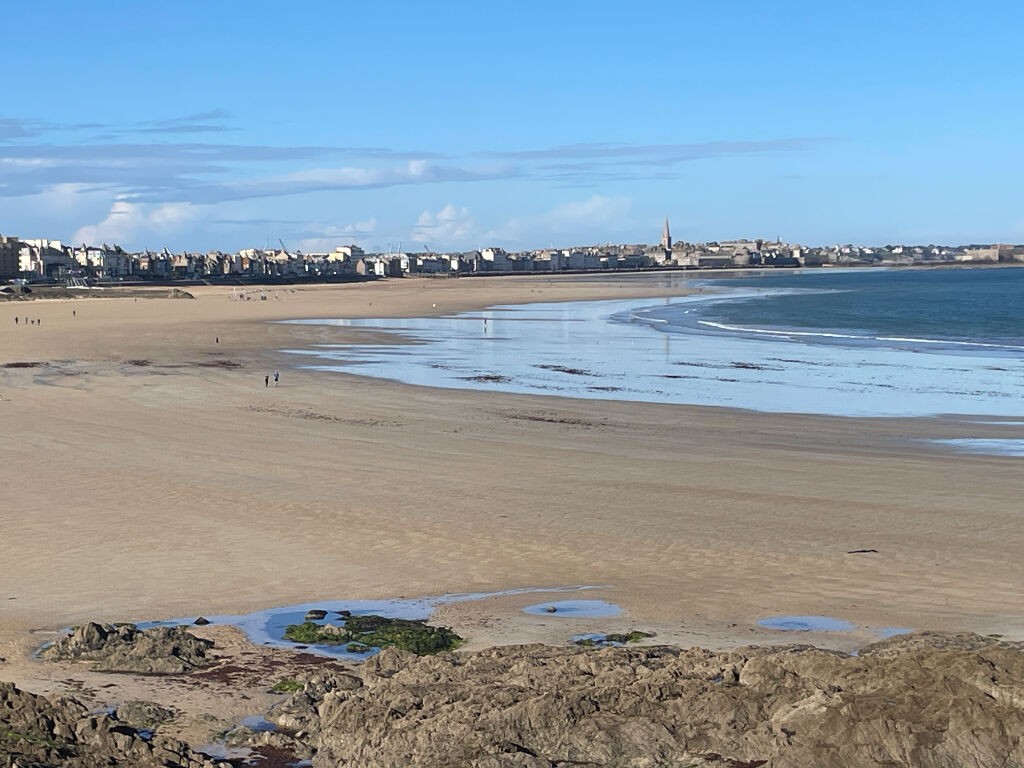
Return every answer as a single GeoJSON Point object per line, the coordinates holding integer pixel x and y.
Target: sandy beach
{"type": "Point", "coordinates": [148, 472]}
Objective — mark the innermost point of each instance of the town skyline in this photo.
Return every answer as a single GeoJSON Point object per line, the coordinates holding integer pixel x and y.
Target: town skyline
{"type": "Point", "coordinates": [40, 259]}
{"type": "Point", "coordinates": [226, 127]}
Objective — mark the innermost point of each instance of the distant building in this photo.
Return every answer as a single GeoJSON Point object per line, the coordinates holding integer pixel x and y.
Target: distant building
{"type": "Point", "coordinates": [10, 257]}
{"type": "Point", "coordinates": [495, 260]}
{"type": "Point", "coordinates": [666, 240]}
{"type": "Point", "coordinates": [987, 254]}
{"type": "Point", "coordinates": [350, 253]}
{"type": "Point", "coordinates": [1014, 253]}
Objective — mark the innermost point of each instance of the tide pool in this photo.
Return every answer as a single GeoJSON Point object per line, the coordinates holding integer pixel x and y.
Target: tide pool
{"type": "Point", "coordinates": [806, 624]}
{"type": "Point", "coordinates": [267, 627]}
{"type": "Point", "coordinates": [575, 609]}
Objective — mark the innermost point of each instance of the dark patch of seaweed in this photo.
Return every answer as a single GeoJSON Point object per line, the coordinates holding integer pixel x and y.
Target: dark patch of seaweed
{"type": "Point", "coordinates": [488, 378]}
{"type": "Point", "coordinates": [566, 369]}
{"type": "Point", "coordinates": [362, 633]}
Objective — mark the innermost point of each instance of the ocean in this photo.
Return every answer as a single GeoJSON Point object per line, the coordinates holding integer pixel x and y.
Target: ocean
{"type": "Point", "coordinates": [976, 308]}
{"type": "Point", "coordinates": [864, 342]}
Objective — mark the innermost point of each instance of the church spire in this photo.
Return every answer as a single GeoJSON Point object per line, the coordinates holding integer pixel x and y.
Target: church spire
{"type": "Point", "coordinates": [666, 237]}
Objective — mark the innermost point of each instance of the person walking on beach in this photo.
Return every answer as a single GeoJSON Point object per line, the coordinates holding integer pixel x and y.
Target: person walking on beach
{"type": "Point", "coordinates": [266, 380]}
{"type": "Point", "coordinates": [276, 377]}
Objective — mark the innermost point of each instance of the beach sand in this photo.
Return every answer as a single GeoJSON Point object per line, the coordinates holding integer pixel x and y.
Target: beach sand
{"type": "Point", "coordinates": [148, 473]}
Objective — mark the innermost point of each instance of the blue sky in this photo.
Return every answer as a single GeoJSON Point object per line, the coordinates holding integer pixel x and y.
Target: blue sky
{"type": "Point", "coordinates": [458, 125]}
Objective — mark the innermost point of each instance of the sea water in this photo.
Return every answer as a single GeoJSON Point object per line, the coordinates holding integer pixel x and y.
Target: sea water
{"type": "Point", "coordinates": [866, 342]}
{"type": "Point", "coordinates": [967, 309]}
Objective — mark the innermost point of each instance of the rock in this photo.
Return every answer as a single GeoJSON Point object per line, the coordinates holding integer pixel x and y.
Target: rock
{"type": "Point", "coordinates": [202, 621]}
{"type": "Point", "coordinates": [143, 714]}
{"type": "Point", "coordinates": [295, 748]}
{"type": "Point", "coordinates": [41, 731]}
{"type": "Point", "coordinates": [386, 664]}
{"type": "Point", "coordinates": [928, 701]}
{"type": "Point", "coordinates": [125, 648]}
{"type": "Point", "coordinates": [551, 609]}
{"type": "Point", "coordinates": [916, 641]}
{"type": "Point", "coordinates": [299, 713]}
{"type": "Point", "coordinates": [315, 615]}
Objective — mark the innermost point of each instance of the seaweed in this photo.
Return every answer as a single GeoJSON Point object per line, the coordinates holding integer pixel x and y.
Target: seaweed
{"type": "Point", "coordinates": [363, 633]}
{"type": "Point", "coordinates": [287, 685]}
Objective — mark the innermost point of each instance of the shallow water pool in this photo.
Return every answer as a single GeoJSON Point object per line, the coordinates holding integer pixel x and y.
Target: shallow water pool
{"type": "Point", "coordinates": [806, 624]}
{"type": "Point", "coordinates": [575, 609]}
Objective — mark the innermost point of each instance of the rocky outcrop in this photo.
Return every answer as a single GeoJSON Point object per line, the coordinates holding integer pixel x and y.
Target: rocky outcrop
{"type": "Point", "coordinates": [926, 700]}
{"type": "Point", "coordinates": [912, 701]}
{"type": "Point", "coordinates": [270, 742]}
{"type": "Point", "coordinates": [146, 715]}
{"type": "Point", "coordinates": [300, 714]}
{"type": "Point", "coordinates": [124, 648]}
{"type": "Point", "coordinates": [40, 732]}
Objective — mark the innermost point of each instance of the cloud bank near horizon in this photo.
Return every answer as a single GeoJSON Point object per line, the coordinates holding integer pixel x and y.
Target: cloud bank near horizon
{"type": "Point", "coordinates": [158, 187]}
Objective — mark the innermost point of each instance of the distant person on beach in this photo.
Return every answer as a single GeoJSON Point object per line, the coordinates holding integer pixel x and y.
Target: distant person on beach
{"type": "Point", "coordinates": [276, 377]}
{"type": "Point", "coordinates": [15, 321]}
{"type": "Point", "coordinates": [266, 380]}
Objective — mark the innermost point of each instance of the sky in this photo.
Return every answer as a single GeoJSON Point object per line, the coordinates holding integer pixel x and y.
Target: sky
{"type": "Point", "coordinates": [457, 125]}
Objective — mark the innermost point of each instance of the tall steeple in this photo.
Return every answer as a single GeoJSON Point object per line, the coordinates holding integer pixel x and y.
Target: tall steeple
{"type": "Point", "coordinates": [666, 237]}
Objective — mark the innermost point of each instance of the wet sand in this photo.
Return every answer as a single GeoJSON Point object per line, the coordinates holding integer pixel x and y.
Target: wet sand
{"type": "Point", "coordinates": [149, 473]}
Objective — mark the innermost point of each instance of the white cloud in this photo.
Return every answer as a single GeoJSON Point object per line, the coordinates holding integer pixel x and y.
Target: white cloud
{"type": "Point", "coordinates": [596, 210]}
{"type": "Point", "coordinates": [136, 224]}
{"type": "Point", "coordinates": [347, 177]}
{"type": "Point", "coordinates": [582, 221]}
{"type": "Point", "coordinates": [329, 237]}
{"type": "Point", "coordinates": [449, 226]}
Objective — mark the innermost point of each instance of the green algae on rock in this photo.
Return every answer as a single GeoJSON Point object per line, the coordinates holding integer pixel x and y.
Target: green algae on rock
{"type": "Point", "coordinates": [287, 685]}
{"type": "Point", "coordinates": [363, 633]}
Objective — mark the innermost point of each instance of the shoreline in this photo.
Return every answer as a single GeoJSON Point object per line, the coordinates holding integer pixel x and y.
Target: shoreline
{"type": "Point", "coordinates": [185, 486]}
{"type": "Point", "coordinates": [612, 349]}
